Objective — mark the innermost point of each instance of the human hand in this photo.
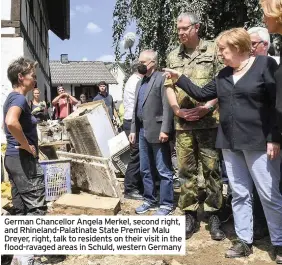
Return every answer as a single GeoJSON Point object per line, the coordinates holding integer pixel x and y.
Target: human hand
{"type": "Point", "coordinates": [273, 150]}
{"type": "Point", "coordinates": [163, 137]}
{"type": "Point", "coordinates": [29, 148]}
{"type": "Point", "coordinates": [182, 113]}
{"type": "Point", "coordinates": [64, 94]}
{"type": "Point", "coordinates": [132, 138]}
{"type": "Point", "coordinates": [196, 113]}
{"type": "Point", "coordinates": [172, 74]}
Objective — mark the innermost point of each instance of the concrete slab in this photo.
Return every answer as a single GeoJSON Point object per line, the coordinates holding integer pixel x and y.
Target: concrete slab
{"type": "Point", "coordinates": [77, 204]}
{"type": "Point", "coordinates": [93, 174]}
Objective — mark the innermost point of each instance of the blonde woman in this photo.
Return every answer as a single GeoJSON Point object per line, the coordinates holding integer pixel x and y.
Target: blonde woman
{"type": "Point", "coordinates": [247, 134]}
{"type": "Point", "coordinates": [38, 108]}
{"type": "Point", "coordinates": [272, 10]}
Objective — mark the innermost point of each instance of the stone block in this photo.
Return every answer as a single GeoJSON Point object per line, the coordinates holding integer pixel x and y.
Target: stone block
{"type": "Point", "coordinates": [86, 204]}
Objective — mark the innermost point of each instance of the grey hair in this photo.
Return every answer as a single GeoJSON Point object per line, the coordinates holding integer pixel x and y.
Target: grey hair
{"type": "Point", "coordinates": [153, 55]}
{"type": "Point", "coordinates": [263, 34]}
{"type": "Point", "coordinates": [193, 18]}
{"type": "Point", "coordinates": [22, 66]}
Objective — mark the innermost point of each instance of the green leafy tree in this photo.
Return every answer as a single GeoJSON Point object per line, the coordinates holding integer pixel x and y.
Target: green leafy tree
{"type": "Point", "coordinates": [156, 21]}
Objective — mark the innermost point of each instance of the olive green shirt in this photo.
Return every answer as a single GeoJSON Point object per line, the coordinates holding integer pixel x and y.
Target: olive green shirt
{"type": "Point", "coordinates": [201, 66]}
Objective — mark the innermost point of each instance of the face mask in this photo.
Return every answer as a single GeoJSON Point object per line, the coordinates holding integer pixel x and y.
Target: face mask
{"type": "Point", "coordinates": [142, 69]}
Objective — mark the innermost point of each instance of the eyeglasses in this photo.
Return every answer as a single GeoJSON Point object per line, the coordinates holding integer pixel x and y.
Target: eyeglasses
{"type": "Point", "coordinates": [185, 28]}
{"type": "Point", "coordinates": [256, 43]}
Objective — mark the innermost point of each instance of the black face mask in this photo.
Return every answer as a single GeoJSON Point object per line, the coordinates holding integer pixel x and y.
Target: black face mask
{"type": "Point", "coordinates": [142, 69]}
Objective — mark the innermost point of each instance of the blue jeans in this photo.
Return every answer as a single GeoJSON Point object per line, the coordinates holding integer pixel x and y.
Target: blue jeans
{"type": "Point", "coordinates": [244, 169]}
{"type": "Point", "coordinates": [156, 156]}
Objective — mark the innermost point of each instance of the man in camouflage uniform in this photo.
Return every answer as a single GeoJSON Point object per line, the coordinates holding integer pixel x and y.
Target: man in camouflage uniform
{"type": "Point", "coordinates": [196, 128]}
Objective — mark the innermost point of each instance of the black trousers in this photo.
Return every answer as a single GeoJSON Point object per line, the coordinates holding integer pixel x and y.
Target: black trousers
{"type": "Point", "coordinates": [27, 182]}
{"type": "Point", "coordinates": [132, 180]}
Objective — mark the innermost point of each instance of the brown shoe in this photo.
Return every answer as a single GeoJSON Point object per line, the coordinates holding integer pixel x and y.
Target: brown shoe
{"type": "Point", "coordinates": [239, 249]}
{"type": "Point", "coordinates": [278, 254]}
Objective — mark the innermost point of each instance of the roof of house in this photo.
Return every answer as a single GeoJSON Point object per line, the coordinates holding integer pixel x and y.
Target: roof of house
{"type": "Point", "coordinates": [80, 72]}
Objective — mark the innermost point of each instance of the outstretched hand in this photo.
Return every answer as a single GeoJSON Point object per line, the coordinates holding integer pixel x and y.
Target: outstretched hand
{"type": "Point", "coordinates": [172, 74]}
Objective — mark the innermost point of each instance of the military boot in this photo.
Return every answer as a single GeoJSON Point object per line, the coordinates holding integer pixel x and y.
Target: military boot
{"type": "Point", "coordinates": [191, 224]}
{"type": "Point", "coordinates": [214, 226]}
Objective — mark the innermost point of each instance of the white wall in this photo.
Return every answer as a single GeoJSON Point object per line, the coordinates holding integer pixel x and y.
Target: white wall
{"type": "Point", "coordinates": [116, 90]}
{"type": "Point", "coordinates": [8, 54]}
{"type": "Point", "coordinates": [5, 9]}
{"type": "Point", "coordinates": [9, 30]}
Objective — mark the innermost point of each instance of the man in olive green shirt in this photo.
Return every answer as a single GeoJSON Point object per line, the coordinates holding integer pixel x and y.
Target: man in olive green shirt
{"type": "Point", "coordinates": [196, 128]}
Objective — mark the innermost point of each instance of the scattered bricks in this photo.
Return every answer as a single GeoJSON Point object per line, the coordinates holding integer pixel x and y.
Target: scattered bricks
{"type": "Point", "coordinates": [86, 204]}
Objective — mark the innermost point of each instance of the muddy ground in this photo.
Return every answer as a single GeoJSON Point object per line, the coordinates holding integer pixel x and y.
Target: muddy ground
{"type": "Point", "coordinates": [200, 250]}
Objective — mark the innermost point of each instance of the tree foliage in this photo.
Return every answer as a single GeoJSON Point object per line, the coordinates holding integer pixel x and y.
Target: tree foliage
{"type": "Point", "coordinates": [156, 21]}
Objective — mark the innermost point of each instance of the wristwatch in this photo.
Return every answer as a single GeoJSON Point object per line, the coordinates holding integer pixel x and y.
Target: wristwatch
{"type": "Point", "coordinates": [210, 107]}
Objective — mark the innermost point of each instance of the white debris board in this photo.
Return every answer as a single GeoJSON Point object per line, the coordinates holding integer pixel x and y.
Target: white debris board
{"type": "Point", "coordinates": [90, 128]}
{"type": "Point", "coordinates": [94, 174]}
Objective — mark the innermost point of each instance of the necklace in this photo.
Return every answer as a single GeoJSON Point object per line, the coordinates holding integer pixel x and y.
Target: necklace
{"type": "Point", "coordinates": [240, 69]}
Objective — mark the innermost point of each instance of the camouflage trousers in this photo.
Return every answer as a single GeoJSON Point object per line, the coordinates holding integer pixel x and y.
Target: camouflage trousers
{"type": "Point", "coordinates": [198, 164]}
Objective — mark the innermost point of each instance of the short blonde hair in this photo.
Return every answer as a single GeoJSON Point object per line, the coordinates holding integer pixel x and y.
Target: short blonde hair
{"type": "Point", "coordinates": [272, 8]}
{"type": "Point", "coordinates": [237, 38]}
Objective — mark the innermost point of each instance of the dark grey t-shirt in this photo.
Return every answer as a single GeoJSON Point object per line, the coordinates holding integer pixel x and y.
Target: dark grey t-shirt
{"type": "Point", "coordinates": [27, 121]}
{"type": "Point", "coordinates": [108, 101]}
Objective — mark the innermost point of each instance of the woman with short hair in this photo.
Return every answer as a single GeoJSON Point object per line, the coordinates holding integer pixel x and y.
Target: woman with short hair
{"type": "Point", "coordinates": [247, 134]}
{"type": "Point", "coordinates": [21, 158]}
{"type": "Point", "coordinates": [272, 10]}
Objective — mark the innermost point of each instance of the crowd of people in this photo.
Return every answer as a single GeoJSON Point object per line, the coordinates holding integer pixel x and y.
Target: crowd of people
{"type": "Point", "coordinates": [226, 121]}
{"type": "Point", "coordinates": [218, 104]}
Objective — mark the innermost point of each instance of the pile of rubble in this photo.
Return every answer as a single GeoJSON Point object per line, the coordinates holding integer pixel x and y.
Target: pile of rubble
{"type": "Point", "coordinates": [98, 161]}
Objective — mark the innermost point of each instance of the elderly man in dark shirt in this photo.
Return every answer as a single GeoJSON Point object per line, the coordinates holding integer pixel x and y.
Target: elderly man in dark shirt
{"type": "Point", "coordinates": [104, 95]}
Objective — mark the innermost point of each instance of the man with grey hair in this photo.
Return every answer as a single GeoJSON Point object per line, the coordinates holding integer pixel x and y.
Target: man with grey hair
{"type": "Point", "coordinates": [133, 187]}
{"type": "Point", "coordinates": [260, 40]}
{"type": "Point", "coordinates": [196, 128]}
{"type": "Point", "coordinates": [152, 122]}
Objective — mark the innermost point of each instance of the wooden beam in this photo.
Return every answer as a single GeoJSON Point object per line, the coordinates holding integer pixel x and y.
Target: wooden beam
{"type": "Point", "coordinates": [10, 35]}
{"type": "Point", "coordinates": [10, 23]}
{"type": "Point", "coordinates": [15, 10]}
